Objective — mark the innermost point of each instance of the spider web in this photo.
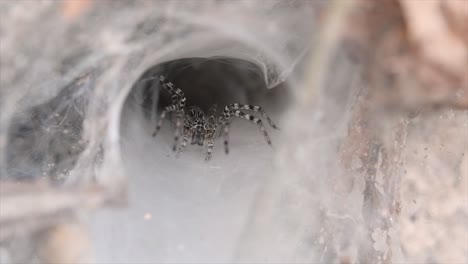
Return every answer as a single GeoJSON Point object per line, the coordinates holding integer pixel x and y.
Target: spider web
{"type": "Point", "coordinates": [67, 111]}
{"type": "Point", "coordinates": [73, 112]}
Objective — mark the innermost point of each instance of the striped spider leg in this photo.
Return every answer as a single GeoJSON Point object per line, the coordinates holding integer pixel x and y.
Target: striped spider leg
{"type": "Point", "coordinates": [178, 106]}
{"type": "Point", "coordinates": [185, 139]}
{"type": "Point", "coordinates": [211, 130]}
{"type": "Point", "coordinates": [234, 110]}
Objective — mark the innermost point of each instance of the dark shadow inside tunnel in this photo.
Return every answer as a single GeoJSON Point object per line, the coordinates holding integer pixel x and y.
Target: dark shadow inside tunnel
{"type": "Point", "coordinates": [209, 81]}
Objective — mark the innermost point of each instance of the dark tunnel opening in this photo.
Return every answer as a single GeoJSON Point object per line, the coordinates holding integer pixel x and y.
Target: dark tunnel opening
{"type": "Point", "coordinates": [209, 81]}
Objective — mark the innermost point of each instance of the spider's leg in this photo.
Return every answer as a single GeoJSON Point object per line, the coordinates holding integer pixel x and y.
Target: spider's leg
{"type": "Point", "coordinates": [178, 99]}
{"type": "Point", "coordinates": [225, 123]}
{"type": "Point", "coordinates": [161, 118]}
{"type": "Point", "coordinates": [210, 147]}
{"type": "Point", "coordinates": [211, 131]}
{"type": "Point", "coordinates": [179, 126]}
{"type": "Point", "coordinates": [177, 96]}
{"type": "Point", "coordinates": [255, 120]}
{"type": "Point", "coordinates": [254, 108]}
{"type": "Point", "coordinates": [212, 117]}
{"type": "Point", "coordinates": [187, 135]}
{"type": "Point", "coordinates": [175, 92]}
{"type": "Point", "coordinates": [225, 132]}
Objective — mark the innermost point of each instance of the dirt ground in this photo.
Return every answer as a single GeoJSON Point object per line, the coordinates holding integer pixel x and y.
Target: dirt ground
{"type": "Point", "coordinates": [434, 189]}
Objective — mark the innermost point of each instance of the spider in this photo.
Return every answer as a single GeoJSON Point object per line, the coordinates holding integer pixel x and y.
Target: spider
{"type": "Point", "coordinates": [198, 128]}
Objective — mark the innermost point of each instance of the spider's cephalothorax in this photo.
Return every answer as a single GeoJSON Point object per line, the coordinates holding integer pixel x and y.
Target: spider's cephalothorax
{"type": "Point", "coordinates": [195, 122]}
{"type": "Point", "coordinates": [197, 128]}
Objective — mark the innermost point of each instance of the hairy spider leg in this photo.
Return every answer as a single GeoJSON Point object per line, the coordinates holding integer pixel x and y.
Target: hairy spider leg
{"type": "Point", "coordinates": [254, 108]}
{"type": "Point", "coordinates": [175, 92]}
{"type": "Point", "coordinates": [211, 130]}
{"type": "Point", "coordinates": [178, 99]}
{"type": "Point", "coordinates": [166, 110]}
{"type": "Point", "coordinates": [225, 132]}
{"type": "Point", "coordinates": [229, 113]}
{"type": "Point", "coordinates": [187, 135]}
{"type": "Point", "coordinates": [225, 122]}
{"type": "Point", "coordinates": [179, 121]}
{"type": "Point", "coordinates": [177, 96]}
{"type": "Point", "coordinates": [254, 120]}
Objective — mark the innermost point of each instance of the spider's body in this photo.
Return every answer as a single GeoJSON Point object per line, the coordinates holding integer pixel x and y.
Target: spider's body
{"type": "Point", "coordinates": [199, 128]}
{"type": "Point", "coordinates": [195, 122]}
